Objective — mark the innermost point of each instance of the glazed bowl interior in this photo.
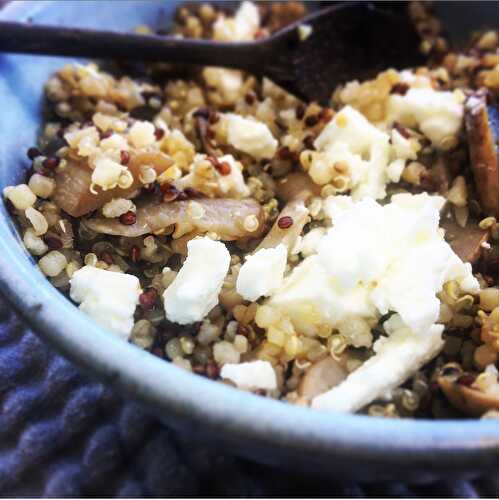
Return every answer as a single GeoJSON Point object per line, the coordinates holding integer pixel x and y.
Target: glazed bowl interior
{"type": "Point", "coordinates": [271, 431]}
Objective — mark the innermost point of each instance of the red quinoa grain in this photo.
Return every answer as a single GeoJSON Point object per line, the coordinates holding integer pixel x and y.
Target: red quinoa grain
{"type": "Point", "coordinates": [285, 222]}
{"type": "Point", "coordinates": [128, 218]}
{"type": "Point", "coordinates": [124, 157]}
{"type": "Point", "coordinates": [223, 168]}
{"type": "Point", "coordinates": [135, 254]}
{"type": "Point", "coordinates": [148, 298]}
{"type": "Point", "coordinates": [159, 133]}
{"type": "Point", "coordinates": [51, 163]}
{"type": "Point", "coordinates": [33, 153]}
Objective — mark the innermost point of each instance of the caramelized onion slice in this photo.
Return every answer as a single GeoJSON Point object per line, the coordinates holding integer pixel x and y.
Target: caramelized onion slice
{"type": "Point", "coordinates": [299, 216]}
{"type": "Point", "coordinates": [73, 194]}
{"type": "Point", "coordinates": [467, 399]}
{"type": "Point", "coordinates": [224, 217]}
{"type": "Point", "coordinates": [482, 126]}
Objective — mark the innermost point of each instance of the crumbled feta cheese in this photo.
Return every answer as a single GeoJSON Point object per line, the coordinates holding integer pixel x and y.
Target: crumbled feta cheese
{"type": "Point", "coordinates": [438, 114]}
{"type": "Point", "coordinates": [353, 144]}
{"type": "Point", "coordinates": [402, 147]}
{"type": "Point", "coordinates": [395, 169]}
{"type": "Point", "coordinates": [107, 173]}
{"type": "Point", "coordinates": [142, 134]}
{"type": "Point", "coordinates": [250, 136]}
{"type": "Point", "coordinates": [397, 357]}
{"type": "Point", "coordinates": [252, 375]}
{"type": "Point", "coordinates": [108, 297]}
{"type": "Point", "coordinates": [262, 273]}
{"type": "Point", "coordinates": [242, 27]}
{"type": "Point", "coordinates": [228, 82]}
{"type": "Point", "coordinates": [374, 259]}
{"type": "Point", "coordinates": [115, 141]}
{"type": "Point", "coordinates": [20, 196]}
{"type": "Point", "coordinates": [232, 185]}
{"type": "Point", "coordinates": [194, 291]}
{"type": "Point", "coordinates": [309, 242]}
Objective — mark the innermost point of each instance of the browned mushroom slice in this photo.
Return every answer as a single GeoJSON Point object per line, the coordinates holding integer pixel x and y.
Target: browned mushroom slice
{"type": "Point", "coordinates": [73, 194]}
{"type": "Point", "coordinates": [441, 176]}
{"type": "Point", "coordinates": [465, 241]}
{"type": "Point", "coordinates": [482, 126]}
{"type": "Point", "coordinates": [202, 129]}
{"type": "Point", "coordinates": [296, 185]}
{"type": "Point", "coordinates": [321, 376]}
{"type": "Point", "coordinates": [467, 399]}
{"type": "Point", "coordinates": [222, 216]}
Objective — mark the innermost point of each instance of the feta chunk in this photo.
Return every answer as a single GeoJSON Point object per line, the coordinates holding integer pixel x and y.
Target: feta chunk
{"type": "Point", "coordinates": [107, 297]}
{"type": "Point", "coordinates": [309, 242]}
{"type": "Point", "coordinates": [194, 291]}
{"type": "Point", "coordinates": [262, 273]}
{"type": "Point", "coordinates": [250, 136]}
{"type": "Point", "coordinates": [374, 259]}
{"type": "Point", "coordinates": [352, 143]}
{"type": "Point", "coordinates": [397, 358]}
{"type": "Point", "coordinates": [402, 147]}
{"type": "Point", "coordinates": [438, 114]}
{"type": "Point", "coordinates": [142, 134]}
{"type": "Point", "coordinates": [116, 142]}
{"type": "Point", "coordinates": [242, 27]}
{"type": "Point", "coordinates": [252, 375]}
{"type": "Point", "coordinates": [232, 185]}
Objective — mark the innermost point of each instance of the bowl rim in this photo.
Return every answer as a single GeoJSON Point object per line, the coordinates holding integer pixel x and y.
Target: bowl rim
{"type": "Point", "coordinates": [171, 391]}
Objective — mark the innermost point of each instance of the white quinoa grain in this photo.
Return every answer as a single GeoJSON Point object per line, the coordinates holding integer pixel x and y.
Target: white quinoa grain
{"type": "Point", "coordinates": [117, 207]}
{"type": "Point", "coordinates": [53, 263]}
{"type": "Point", "coordinates": [33, 243]}
{"type": "Point", "coordinates": [41, 185]}
{"type": "Point", "coordinates": [224, 352]}
{"type": "Point", "coordinates": [38, 221]}
{"type": "Point", "coordinates": [251, 223]}
{"type": "Point", "coordinates": [20, 196]}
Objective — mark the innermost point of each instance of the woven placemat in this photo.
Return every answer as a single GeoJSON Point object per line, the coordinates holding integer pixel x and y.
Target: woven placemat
{"type": "Point", "coordinates": [62, 434]}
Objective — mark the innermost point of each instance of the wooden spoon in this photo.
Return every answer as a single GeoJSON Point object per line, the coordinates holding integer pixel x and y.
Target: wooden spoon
{"type": "Point", "coordinates": [346, 41]}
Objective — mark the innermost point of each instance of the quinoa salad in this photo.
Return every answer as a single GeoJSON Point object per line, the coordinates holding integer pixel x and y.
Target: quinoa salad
{"type": "Point", "coordinates": [342, 257]}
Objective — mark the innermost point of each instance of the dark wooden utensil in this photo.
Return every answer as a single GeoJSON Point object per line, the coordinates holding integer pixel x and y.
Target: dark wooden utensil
{"type": "Point", "coordinates": [347, 41]}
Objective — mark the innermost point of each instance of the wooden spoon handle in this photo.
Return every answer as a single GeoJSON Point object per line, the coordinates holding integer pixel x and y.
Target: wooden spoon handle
{"type": "Point", "coordinates": [54, 40]}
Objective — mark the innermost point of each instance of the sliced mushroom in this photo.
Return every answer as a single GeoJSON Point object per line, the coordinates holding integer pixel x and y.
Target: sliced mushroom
{"type": "Point", "coordinates": [202, 128]}
{"type": "Point", "coordinates": [465, 241]}
{"type": "Point", "coordinates": [482, 126]}
{"type": "Point", "coordinates": [73, 183]}
{"type": "Point", "coordinates": [296, 185]}
{"type": "Point", "coordinates": [321, 376]}
{"type": "Point", "coordinates": [441, 176]}
{"type": "Point", "coordinates": [467, 399]}
{"type": "Point", "coordinates": [222, 216]}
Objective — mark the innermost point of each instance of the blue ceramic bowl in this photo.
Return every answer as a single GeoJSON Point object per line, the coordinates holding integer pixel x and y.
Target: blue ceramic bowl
{"type": "Point", "coordinates": [269, 431]}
